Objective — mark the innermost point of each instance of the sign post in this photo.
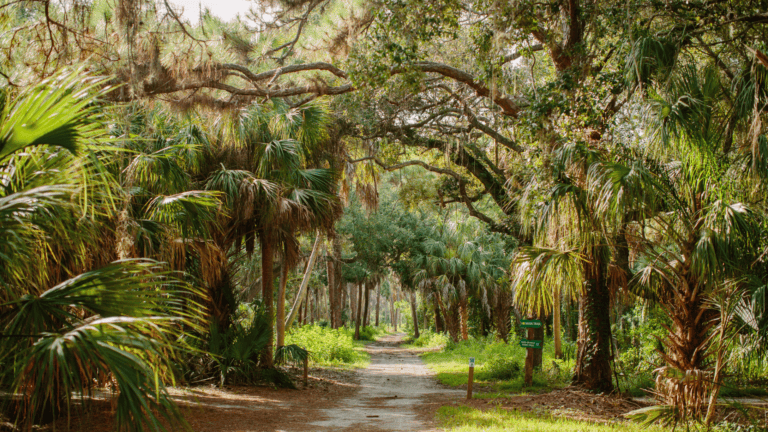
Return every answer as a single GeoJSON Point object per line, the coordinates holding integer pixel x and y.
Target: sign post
{"type": "Point", "coordinates": [530, 344]}
{"type": "Point", "coordinates": [471, 377]}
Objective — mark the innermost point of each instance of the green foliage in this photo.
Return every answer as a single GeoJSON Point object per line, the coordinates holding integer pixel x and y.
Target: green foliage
{"type": "Point", "coordinates": [370, 333]}
{"type": "Point", "coordinates": [328, 347]}
{"type": "Point", "coordinates": [430, 339]}
{"type": "Point", "coordinates": [235, 351]}
{"type": "Point", "coordinates": [467, 419]}
{"type": "Point", "coordinates": [497, 364]}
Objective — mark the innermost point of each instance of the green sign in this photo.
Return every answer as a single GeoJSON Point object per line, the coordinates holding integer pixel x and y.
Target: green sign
{"type": "Point", "coordinates": [525, 343]}
{"type": "Point", "coordinates": [530, 323]}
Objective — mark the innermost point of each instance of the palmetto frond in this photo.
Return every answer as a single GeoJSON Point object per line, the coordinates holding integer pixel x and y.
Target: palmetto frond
{"type": "Point", "coordinates": [536, 270]}
{"type": "Point", "coordinates": [136, 309]}
{"type": "Point", "coordinates": [54, 112]}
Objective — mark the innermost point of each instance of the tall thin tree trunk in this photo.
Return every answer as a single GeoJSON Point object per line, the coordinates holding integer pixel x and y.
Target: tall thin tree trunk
{"type": "Point", "coordinates": [331, 293]}
{"type": "Point", "coordinates": [392, 309]}
{"type": "Point", "coordinates": [538, 334]}
{"type": "Point", "coordinates": [415, 316]}
{"type": "Point", "coordinates": [556, 325]}
{"type": "Point", "coordinates": [365, 306]}
{"type": "Point", "coordinates": [353, 301]}
{"type": "Point", "coordinates": [335, 304]}
{"type": "Point", "coordinates": [267, 294]}
{"type": "Point", "coordinates": [357, 314]}
{"type": "Point", "coordinates": [378, 299]}
{"type": "Point", "coordinates": [301, 294]}
{"type": "Point", "coordinates": [280, 319]}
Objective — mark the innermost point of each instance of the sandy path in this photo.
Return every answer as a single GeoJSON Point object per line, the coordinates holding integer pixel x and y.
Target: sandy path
{"type": "Point", "coordinates": [392, 390]}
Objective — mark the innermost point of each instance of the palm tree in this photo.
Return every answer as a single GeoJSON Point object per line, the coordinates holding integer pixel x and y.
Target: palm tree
{"type": "Point", "coordinates": [89, 320]}
{"type": "Point", "coordinates": [265, 171]}
{"type": "Point", "coordinates": [697, 241]}
{"type": "Point", "coordinates": [571, 249]}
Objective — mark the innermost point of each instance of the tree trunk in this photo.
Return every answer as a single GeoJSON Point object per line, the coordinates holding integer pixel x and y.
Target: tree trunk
{"type": "Point", "coordinates": [357, 314]}
{"type": "Point", "coordinates": [464, 313]}
{"type": "Point", "coordinates": [439, 324]}
{"type": "Point", "coordinates": [538, 334]}
{"type": "Point", "coordinates": [415, 316]}
{"type": "Point", "coordinates": [280, 319]}
{"type": "Point", "coordinates": [392, 308]}
{"type": "Point", "coordinates": [593, 367]}
{"type": "Point", "coordinates": [301, 294]}
{"type": "Point", "coordinates": [502, 304]}
{"type": "Point", "coordinates": [331, 294]}
{"type": "Point", "coordinates": [378, 299]}
{"type": "Point", "coordinates": [556, 325]}
{"type": "Point", "coordinates": [336, 287]}
{"type": "Point", "coordinates": [267, 282]}
{"type": "Point", "coordinates": [353, 302]}
{"type": "Point", "coordinates": [365, 306]}
{"type": "Point", "coordinates": [451, 316]}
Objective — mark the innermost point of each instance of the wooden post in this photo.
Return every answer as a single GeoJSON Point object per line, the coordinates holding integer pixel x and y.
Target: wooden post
{"type": "Point", "coordinates": [306, 370]}
{"type": "Point", "coordinates": [529, 354]}
{"type": "Point", "coordinates": [471, 377]}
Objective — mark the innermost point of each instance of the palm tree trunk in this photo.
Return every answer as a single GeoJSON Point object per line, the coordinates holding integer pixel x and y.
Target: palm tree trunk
{"type": "Point", "coordinates": [556, 319]}
{"type": "Point", "coordinates": [464, 313]}
{"type": "Point", "coordinates": [280, 319]}
{"type": "Point", "coordinates": [302, 293]}
{"type": "Point", "coordinates": [451, 316]}
{"type": "Point", "coordinates": [502, 300]}
{"type": "Point", "coordinates": [415, 316]}
{"type": "Point", "coordinates": [439, 325]}
{"type": "Point", "coordinates": [267, 281]}
{"type": "Point", "coordinates": [593, 367]}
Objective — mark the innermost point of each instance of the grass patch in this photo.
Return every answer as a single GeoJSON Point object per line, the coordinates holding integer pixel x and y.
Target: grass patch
{"type": "Point", "coordinates": [428, 339]}
{"type": "Point", "coordinates": [498, 365]}
{"type": "Point", "coordinates": [466, 419]}
{"type": "Point", "coordinates": [330, 347]}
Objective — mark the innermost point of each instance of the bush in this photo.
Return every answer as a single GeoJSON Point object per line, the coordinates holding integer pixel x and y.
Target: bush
{"type": "Point", "coordinates": [326, 346]}
{"type": "Point", "coordinates": [430, 339]}
{"type": "Point", "coordinates": [502, 368]}
{"type": "Point", "coordinates": [369, 333]}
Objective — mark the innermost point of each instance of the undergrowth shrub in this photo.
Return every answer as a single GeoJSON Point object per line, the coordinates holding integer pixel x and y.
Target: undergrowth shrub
{"type": "Point", "coordinates": [502, 368]}
{"type": "Point", "coordinates": [430, 339]}
{"type": "Point", "coordinates": [369, 333]}
{"type": "Point", "coordinates": [326, 346]}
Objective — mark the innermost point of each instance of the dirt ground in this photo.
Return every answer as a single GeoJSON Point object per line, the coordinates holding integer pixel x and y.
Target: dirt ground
{"type": "Point", "coordinates": [395, 393]}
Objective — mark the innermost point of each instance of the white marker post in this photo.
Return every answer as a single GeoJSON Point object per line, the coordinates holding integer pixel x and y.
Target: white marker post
{"type": "Point", "coordinates": [471, 377]}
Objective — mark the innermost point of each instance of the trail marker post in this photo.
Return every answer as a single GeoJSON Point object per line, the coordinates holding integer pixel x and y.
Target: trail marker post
{"type": "Point", "coordinates": [471, 377]}
{"type": "Point", "coordinates": [530, 344]}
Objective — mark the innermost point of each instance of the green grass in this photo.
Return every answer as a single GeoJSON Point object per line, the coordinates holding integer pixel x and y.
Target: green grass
{"type": "Point", "coordinates": [467, 419]}
{"type": "Point", "coordinates": [428, 339]}
{"type": "Point", "coordinates": [498, 365]}
{"type": "Point", "coordinates": [329, 347]}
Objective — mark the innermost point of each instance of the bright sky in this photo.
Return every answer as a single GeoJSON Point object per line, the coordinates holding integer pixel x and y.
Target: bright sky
{"type": "Point", "coordinates": [224, 9]}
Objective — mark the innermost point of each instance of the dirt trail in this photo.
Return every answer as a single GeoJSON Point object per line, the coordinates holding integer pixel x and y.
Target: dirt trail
{"type": "Point", "coordinates": [393, 392]}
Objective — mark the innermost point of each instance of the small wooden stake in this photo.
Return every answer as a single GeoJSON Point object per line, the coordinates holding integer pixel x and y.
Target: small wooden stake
{"type": "Point", "coordinates": [306, 370]}
{"type": "Point", "coordinates": [471, 377]}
